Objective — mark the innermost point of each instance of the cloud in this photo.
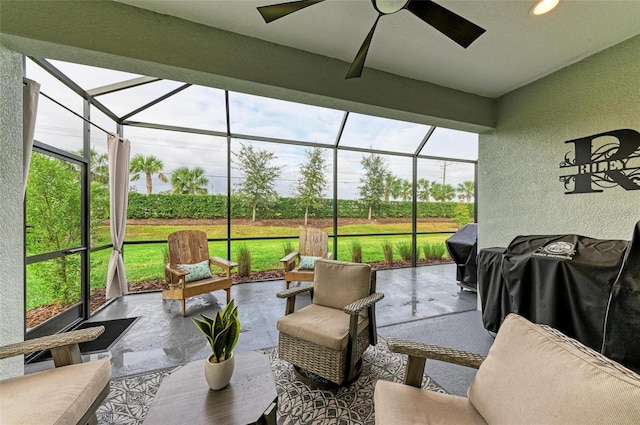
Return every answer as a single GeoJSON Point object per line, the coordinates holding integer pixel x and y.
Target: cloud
{"type": "Point", "coordinates": [203, 108]}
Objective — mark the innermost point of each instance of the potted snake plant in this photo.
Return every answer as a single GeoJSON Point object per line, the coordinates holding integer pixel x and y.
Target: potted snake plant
{"type": "Point", "coordinates": [222, 332]}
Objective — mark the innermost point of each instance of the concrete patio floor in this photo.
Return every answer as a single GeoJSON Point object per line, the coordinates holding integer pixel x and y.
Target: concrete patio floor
{"type": "Point", "coordinates": [422, 303]}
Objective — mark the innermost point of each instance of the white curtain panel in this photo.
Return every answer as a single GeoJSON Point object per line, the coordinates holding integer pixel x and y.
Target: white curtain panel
{"type": "Point", "coordinates": [30, 95]}
{"type": "Point", "coordinates": [119, 153]}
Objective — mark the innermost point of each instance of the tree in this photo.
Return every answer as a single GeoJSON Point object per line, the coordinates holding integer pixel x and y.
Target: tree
{"type": "Point", "coordinates": [466, 190]}
{"type": "Point", "coordinates": [149, 165]}
{"type": "Point", "coordinates": [391, 186]}
{"type": "Point", "coordinates": [406, 190]}
{"type": "Point", "coordinates": [424, 189]}
{"type": "Point", "coordinates": [53, 214]}
{"type": "Point", "coordinates": [372, 181]}
{"type": "Point", "coordinates": [259, 176]}
{"type": "Point", "coordinates": [99, 167]}
{"type": "Point", "coordinates": [312, 182]}
{"type": "Point", "coordinates": [189, 181]}
{"type": "Point", "coordinates": [442, 192]}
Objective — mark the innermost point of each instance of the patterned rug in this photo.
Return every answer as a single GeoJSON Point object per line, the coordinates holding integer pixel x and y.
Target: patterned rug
{"type": "Point", "coordinates": [130, 397]}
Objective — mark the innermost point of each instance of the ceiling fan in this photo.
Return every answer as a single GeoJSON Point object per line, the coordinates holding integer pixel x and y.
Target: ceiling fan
{"type": "Point", "coordinates": [448, 23]}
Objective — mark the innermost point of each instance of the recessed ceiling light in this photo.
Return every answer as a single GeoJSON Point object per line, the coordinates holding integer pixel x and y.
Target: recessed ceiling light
{"type": "Point", "coordinates": [544, 6]}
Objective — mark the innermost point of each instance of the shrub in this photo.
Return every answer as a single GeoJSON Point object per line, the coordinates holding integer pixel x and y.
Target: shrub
{"type": "Point", "coordinates": [244, 261]}
{"type": "Point", "coordinates": [462, 216]}
{"type": "Point", "coordinates": [434, 251]}
{"type": "Point", "coordinates": [356, 252]}
{"type": "Point", "coordinates": [404, 250]}
{"type": "Point", "coordinates": [288, 248]}
{"type": "Point", "coordinates": [387, 248]}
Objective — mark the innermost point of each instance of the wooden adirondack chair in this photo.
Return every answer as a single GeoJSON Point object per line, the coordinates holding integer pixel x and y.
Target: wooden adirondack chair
{"type": "Point", "coordinates": [312, 243]}
{"type": "Point", "coordinates": [187, 248]}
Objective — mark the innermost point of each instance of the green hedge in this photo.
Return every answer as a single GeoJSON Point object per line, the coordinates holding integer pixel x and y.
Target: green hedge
{"type": "Point", "coordinates": [215, 206]}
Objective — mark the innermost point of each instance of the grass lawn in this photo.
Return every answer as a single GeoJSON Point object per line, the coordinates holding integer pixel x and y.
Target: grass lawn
{"type": "Point", "coordinates": [144, 262]}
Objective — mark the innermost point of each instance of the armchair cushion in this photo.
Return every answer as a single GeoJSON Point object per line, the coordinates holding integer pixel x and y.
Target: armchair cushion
{"type": "Point", "coordinates": [56, 396]}
{"type": "Point", "coordinates": [320, 325]}
{"type": "Point", "coordinates": [329, 285]}
{"type": "Point", "coordinates": [307, 262]}
{"type": "Point", "coordinates": [197, 271]}
{"type": "Point", "coordinates": [400, 404]}
{"type": "Point", "coordinates": [536, 373]}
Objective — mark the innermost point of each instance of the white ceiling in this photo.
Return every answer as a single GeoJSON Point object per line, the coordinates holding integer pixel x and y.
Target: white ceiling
{"type": "Point", "coordinates": [516, 49]}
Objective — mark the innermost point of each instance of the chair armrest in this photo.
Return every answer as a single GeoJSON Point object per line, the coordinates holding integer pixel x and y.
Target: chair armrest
{"type": "Point", "coordinates": [435, 352]}
{"type": "Point", "coordinates": [292, 292]}
{"type": "Point", "coordinates": [178, 272]}
{"type": "Point", "coordinates": [357, 306]}
{"type": "Point", "coordinates": [51, 342]}
{"type": "Point", "coordinates": [221, 262]}
{"type": "Point", "coordinates": [290, 257]}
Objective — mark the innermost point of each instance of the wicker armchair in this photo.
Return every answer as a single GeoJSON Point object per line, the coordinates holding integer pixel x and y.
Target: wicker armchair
{"type": "Point", "coordinates": [329, 336]}
{"type": "Point", "coordinates": [532, 374]}
{"type": "Point", "coordinates": [313, 243]}
{"type": "Point", "coordinates": [188, 248]}
{"type": "Point", "coordinates": [70, 393]}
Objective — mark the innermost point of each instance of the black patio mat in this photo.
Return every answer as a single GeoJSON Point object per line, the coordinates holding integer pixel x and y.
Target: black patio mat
{"type": "Point", "coordinates": [113, 331]}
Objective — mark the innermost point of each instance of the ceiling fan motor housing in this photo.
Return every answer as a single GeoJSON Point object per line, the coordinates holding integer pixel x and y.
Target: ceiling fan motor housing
{"type": "Point", "coordinates": [387, 7]}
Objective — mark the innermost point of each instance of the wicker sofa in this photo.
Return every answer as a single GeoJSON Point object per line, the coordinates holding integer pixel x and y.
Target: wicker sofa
{"type": "Point", "coordinates": [533, 374]}
{"type": "Point", "coordinates": [69, 394]}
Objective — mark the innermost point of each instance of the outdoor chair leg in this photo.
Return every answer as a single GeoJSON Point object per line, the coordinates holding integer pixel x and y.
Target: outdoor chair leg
{"type": "Point", "coordinates": [184, 307]}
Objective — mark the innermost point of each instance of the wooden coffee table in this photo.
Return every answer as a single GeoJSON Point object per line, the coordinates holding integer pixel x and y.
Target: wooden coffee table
{"type": "Point", "coordinates": [185, 398]}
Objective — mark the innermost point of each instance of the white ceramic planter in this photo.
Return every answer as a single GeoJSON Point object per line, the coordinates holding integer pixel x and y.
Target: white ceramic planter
{"type": "Point", "coordinates": [218, 375]}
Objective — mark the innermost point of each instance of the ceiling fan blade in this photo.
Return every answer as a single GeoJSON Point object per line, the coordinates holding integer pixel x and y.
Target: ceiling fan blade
{"type": "Point", "coordinates": [454, 26]}
{"type": "Point", "coordinates": [276, 11]}
{"type": "Point", "coordinates": [355, 70]}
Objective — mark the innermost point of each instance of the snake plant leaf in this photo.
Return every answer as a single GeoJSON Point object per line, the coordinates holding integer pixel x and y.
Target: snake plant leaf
{"type": "Point", "coordinates": [219, 344]}
{"type": "Point", "coordinates": [205, 327]}
{"type": "Point", "coordinates": [229, 310]}
{"type": "Point", "coordinates": [218, 326]}
{"type": "Point", "coordinates": [233, 336]}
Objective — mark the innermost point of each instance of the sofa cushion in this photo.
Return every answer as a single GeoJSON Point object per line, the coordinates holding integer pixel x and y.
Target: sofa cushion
{"type": "Point", "coordinates": [398, 404]}
{"type": "Point", "coordinates": [337, 283]}
{"type": "Point", "coordinates": [59, 396]}
{"type": "Point", "coordinates": [535, 374]}
{"type": "Point", "coordinates": [321, 325]}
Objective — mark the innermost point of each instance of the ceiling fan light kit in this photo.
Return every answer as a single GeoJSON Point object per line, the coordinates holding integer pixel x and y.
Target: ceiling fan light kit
{"type": "Point", "coordinates": [541, 7]}
{"type": "Point", "coordinates": [454, 26]}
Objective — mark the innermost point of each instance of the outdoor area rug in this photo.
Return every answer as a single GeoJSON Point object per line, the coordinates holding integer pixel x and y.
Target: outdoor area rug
{"type": "Point", "coordinates": [131, 397]}
{"type": "Point", "coordinates": [113, 331]}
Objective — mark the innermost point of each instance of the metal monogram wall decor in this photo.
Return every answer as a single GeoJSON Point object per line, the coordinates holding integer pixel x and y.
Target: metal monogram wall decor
{"type": "Point", "coordinates": [602, 161]}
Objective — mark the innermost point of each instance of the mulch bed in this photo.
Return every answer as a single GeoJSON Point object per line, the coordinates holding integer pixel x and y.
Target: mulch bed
{"type": "Point", "coordinates": [98, 296]}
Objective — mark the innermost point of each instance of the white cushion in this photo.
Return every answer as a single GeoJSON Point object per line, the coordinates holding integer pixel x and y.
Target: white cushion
{"type": "Point", "coordinates": [537, 375]}
{"type": "Point", "coordinates": [399, 404]}
{"type": "Point", "coordinates": [59, 396]}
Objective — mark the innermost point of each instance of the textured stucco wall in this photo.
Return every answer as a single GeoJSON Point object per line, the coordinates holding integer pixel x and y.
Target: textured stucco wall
{"type": "Point", "coordinates": [11, 213]}
{"type": "Point", "coordinates": [519, 191]}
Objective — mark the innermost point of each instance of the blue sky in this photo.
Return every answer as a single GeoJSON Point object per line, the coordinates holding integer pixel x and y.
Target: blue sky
{"type": "Point", "coordinates": [204, 108]}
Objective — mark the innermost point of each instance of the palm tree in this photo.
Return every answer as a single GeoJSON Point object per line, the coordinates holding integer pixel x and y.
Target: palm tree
{"type": "Point", "coordinates": [424, 189]}
{"type": "Point", "coordinates": [189, 181]}
{"type": "Point", "coordinates": [99, 167]}
{"type": "Point", "coordinates": [406, 190]}
{"type": "Point", "coordinates": [149, 165]}
{"type": "Point", "coordinates": [466, 190]}
{"type": "Point", "coordinates": [391, 186]}
{"type": "Point", "coordinates": [442, 192]}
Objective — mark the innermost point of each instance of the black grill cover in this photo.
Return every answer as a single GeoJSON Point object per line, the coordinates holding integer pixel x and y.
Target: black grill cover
{"type": "Point", "coordinates": [563, 281]}
{"type": "Point", "coordinates": [622, 327]}
{"type": "Point", "coordinates": [494, 297]}
{"type": "Point", "coordinates": [463, 248]}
